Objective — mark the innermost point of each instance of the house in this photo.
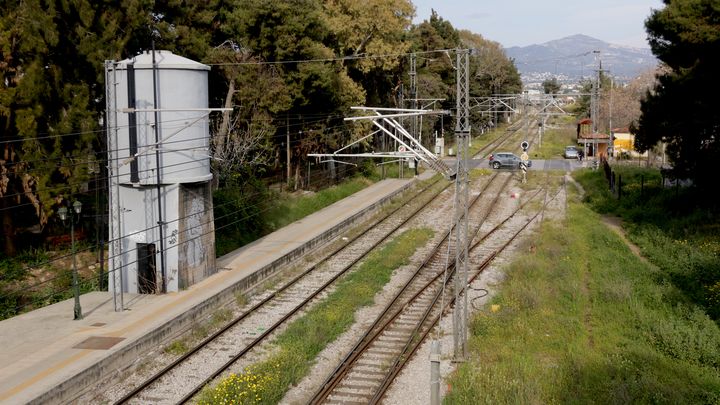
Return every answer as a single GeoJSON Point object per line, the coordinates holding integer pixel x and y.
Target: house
{"type": "Point", "coordinates": [624, 143]}
{"type": "Point", "coordinates": [594, 144]}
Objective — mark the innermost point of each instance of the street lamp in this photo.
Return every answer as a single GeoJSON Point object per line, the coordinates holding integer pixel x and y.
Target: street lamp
{"type": "Point", "coordinates": [63, 213]}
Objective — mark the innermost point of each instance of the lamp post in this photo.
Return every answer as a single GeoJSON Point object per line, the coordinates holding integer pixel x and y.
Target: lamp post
{"type": "Point", "coordinates": [74, 216]}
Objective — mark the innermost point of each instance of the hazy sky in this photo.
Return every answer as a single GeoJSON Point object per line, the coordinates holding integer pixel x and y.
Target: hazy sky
{"type": "Point", "coordinates": [526, 22]}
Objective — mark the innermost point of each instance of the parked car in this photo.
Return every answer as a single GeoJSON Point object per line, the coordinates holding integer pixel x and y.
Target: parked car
{"type": "Point", "coordinates": [571, 152]}
{"type": "Point", "coordinates": [505, 159]}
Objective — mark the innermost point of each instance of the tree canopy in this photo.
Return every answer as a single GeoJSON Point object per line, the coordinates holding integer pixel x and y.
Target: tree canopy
{"type": "Point", "coordinates": [681, 110]}
{"type": "Point", "coordinates": [297, 64]}
{"type": "Point", "coordinates": [551, 86]}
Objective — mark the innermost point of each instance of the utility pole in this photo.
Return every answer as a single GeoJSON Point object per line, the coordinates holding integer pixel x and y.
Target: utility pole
{"type": "Point", "coordinates": [114, 269]}
{"type": "Point", "coordinates": [611, 147]}
{"type": "Point", "coordinates": [158, 177]}
{"type": "Point", "coordinates": [462, 183]}
{"type": "Point", "coordinates": [594, 100]}
{"type": "Point", "coordinates": [287, 149]}
{"type": "Point", "coordinates": [413, 93]}
{"type": "Point", "coordinates": [595, 103]}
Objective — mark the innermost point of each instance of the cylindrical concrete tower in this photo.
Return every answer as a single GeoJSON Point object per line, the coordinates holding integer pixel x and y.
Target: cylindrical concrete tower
{"type": "Point", "coordinates": [162, 233]}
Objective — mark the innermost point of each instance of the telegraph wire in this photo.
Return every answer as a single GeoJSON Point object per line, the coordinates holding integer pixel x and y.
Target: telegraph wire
{"type": "Point", "coordinates": [308, 134]}
{"type": "Point", "coordinates": [321, 175]}
{"type": "Point", "coordinates": [334, 59]}
{"type": "Point", "coordinates": [298, 118]}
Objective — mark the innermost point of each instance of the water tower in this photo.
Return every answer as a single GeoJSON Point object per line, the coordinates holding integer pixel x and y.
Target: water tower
{"type": "Point", "coordinates": [161, 217]}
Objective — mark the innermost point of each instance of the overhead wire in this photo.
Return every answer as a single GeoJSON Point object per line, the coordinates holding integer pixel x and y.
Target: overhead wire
{"type": "Point", "coordinates": [300, 118]}
{"type": "Point", "coordinates": [333, 59]}
{"type": "Point", "coordinates": [308, 134]}
{"type": "Point", "coordinates": [215, 219]}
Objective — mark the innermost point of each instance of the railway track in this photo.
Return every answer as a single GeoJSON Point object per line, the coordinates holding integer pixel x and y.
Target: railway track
{"type": "Point", "coordinates": [413, 345]}
{"type": "Point", "coordinates": [369, 368]}
{"type": "Point", "coordinates": [231, 343]}
{"type": "Point", "coordinates": [510, 131]}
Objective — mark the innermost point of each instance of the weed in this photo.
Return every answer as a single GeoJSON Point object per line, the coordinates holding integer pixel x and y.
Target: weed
{"type": "Point", "coordinates": [240, 299]}
{"type": "Point", "coordinates": [266, 382]}
{"type": "Point", "coordinates": [672, 228]}
{"type": "Point", "coordinates": [582, 320]}
{"type": "Point", "coordinates": [220, 317]}
{"type": "Point", "coordinates": [177, 348]}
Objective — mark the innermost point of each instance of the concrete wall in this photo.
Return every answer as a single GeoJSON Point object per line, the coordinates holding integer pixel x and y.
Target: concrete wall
{"type": "Point", "coordinates": [116, 364]}
{"type": "Point", "coordinates": [196, 243]}
{"type": "Point", "coordinates": [139, 216]}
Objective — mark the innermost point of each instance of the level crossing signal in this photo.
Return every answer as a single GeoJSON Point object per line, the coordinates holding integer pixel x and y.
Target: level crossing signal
{"type": "Point", "coordinates": [524, 160]}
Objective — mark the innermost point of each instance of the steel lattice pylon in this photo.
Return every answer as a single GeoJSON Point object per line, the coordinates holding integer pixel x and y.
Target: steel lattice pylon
{"type": "Point", "coordinates": [413, 93]}
{"type": "Point", "coordinates": [462, 184]}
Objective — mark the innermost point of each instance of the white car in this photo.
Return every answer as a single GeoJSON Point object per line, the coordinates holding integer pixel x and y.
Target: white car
{"type": "Point", "coordinates": [571, 152]}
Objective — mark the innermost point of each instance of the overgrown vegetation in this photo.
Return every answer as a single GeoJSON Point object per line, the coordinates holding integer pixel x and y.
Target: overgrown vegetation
{"type": "Point", "coordinates": [245, 213]}
{"type": "Point", "coordinates": [581, 319]}
{"type": "Point", "coordinates": [555, 139]}
{"type": "Point", "coordinates": [296, 348]}
{"type": "Point", "coordinates": [199, 332]}
{"type": "Point", "coordinates": [27, 282]}
{"type": "Point", "coordinates": [675, 227]}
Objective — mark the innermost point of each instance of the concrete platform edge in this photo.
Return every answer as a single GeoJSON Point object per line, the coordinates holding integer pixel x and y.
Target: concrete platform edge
{"type": "Point", "coordinates": [125, 357]}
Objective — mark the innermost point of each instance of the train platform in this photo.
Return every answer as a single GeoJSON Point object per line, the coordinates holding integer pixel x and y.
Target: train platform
{"type": "Point", "coordinates": [47, 357]}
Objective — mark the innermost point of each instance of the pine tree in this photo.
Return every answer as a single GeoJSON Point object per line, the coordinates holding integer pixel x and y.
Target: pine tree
{"type": "Point", "coordinates": [682, 109]}
{"type": "Point", "coordinates": [51, 60]}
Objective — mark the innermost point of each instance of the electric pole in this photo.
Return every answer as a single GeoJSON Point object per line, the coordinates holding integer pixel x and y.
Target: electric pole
{"type": "Point", "coordinates": [287, 148]}
{"type": "Point", "coordinates": [462, 184]}
{"type": "Point", "coordinates": [594, 100]}
{"type": "Point", "coordinates": [413, 92]}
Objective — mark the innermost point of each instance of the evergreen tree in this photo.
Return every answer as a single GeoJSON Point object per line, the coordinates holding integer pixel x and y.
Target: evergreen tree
{"type": "Point", "coordinates": [551, 86]}
{"type": "Point", "coordinates": [51, 98]}
{"type": "Point", "coordinates": [682, 109]}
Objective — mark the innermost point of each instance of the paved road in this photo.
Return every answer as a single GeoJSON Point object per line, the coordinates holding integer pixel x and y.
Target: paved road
{"type": "Point", "coordinates": [537, 165]}
{"type": "Point", "coordinates": [560, 164]}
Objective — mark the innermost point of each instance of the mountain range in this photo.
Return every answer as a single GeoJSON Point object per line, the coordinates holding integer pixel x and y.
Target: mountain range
{"type": "Point", "coordinates": [575, 57]}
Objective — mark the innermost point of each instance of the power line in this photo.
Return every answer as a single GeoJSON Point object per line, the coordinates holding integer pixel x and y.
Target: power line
{"type": "Point", "coordinates": [100, 152]}
{"type": "Point", "coordinates": [309, 134]}
{"type": "Point", "coordinates": [321, 175]}
{"type": "Point", "coordinates": [334, 59]}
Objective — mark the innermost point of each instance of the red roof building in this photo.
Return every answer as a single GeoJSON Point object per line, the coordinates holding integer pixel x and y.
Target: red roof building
{"type": "Point", "coordinates": [594, 143]}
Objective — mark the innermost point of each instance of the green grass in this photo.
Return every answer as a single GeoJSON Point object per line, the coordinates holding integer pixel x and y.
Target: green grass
{"type": "Point", "coordinates": [554, 142]}
{"type": "Point", "coordinates": [296, 348]}
{"type": "Point", "coordinates": [581, 319]}
{"type": "Point", "coordinates": [246, 219]}
{"type": "Point", "coordinates": [673, 228]}
{"type": "Point", "coordinates": [177, 348]}
{"type": "Point", "coordinates": [479, 141]}
{"type": "Point", "coordinates": [199, 332]}
{"type": "Point", "coordinates": [291, 208]}
{"type": "Point", "coordinates": [20, 290]}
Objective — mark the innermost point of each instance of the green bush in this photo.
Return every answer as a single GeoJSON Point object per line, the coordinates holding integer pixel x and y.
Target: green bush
{"type": "Point", "coordinates": [289, 209]}
{"type": "Point", "coordinates": [675, 228]}
{"type": "Point", "coordinates": [238, 208]}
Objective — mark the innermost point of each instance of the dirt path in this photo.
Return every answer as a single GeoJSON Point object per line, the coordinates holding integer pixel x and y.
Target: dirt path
{"type": "Point", "coordinates": [615, 224]}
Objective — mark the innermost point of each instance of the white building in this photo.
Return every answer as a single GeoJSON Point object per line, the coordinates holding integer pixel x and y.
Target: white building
{"type": "Point", "coordinates": [161, 221]}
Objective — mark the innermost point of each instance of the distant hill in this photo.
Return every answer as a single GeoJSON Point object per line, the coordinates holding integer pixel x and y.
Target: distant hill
{"type": "Point", "coordinates": [572, 58]}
